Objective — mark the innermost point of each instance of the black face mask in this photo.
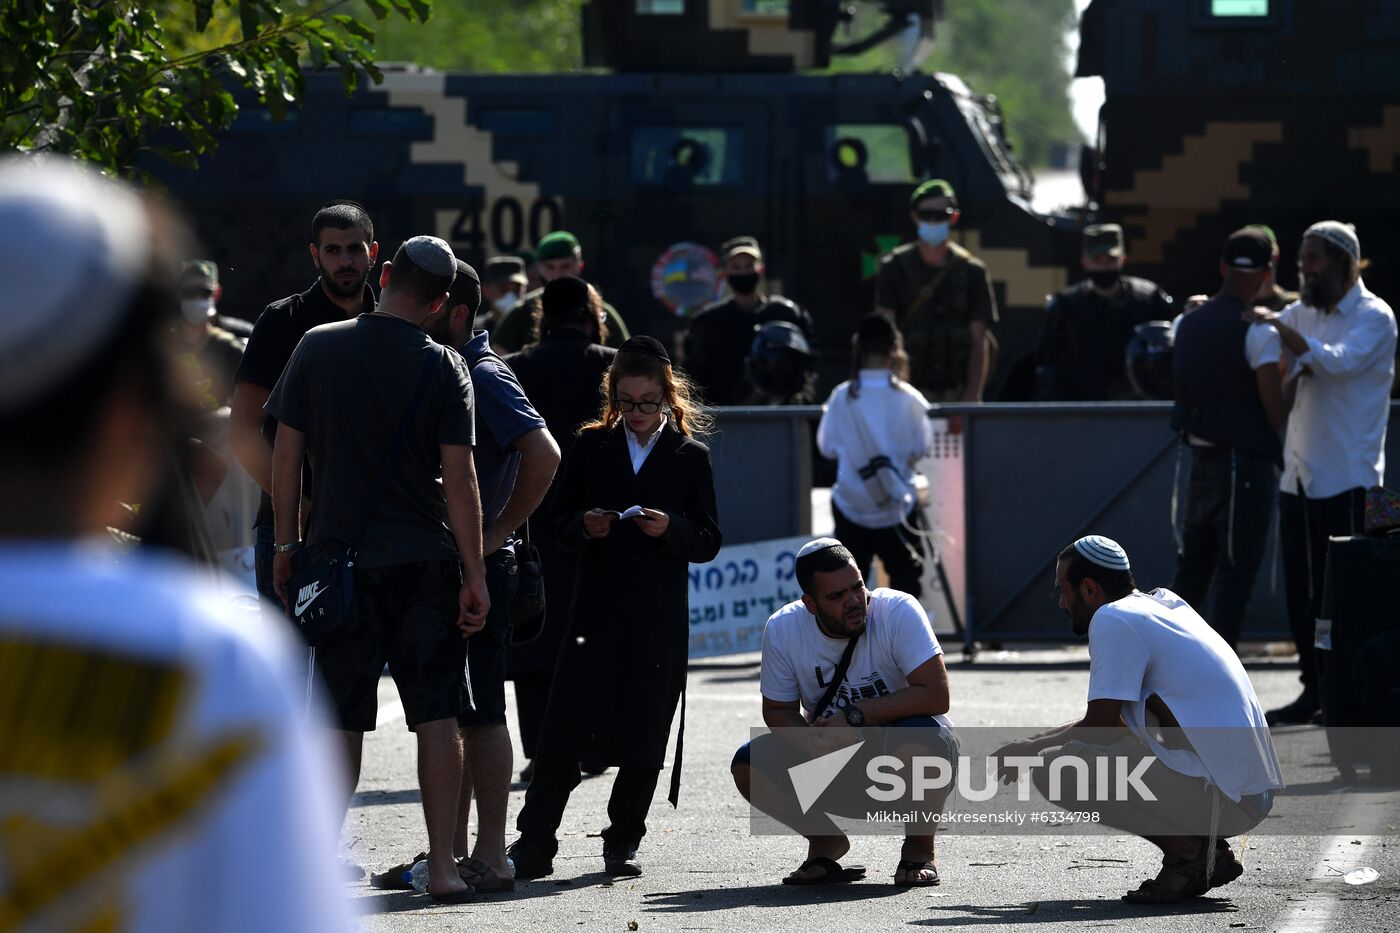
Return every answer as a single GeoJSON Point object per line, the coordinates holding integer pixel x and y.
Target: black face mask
{"type": "Point", "coordinates": [1106, 279]}
{"type": "Point", "coordinates": [744, 284]}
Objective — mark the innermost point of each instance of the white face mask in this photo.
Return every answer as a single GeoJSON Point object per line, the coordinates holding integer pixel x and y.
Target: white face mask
{"type": "Point", "coordinates": [506, 302]}
{"type": "Point", "coordinates": [197, 310]}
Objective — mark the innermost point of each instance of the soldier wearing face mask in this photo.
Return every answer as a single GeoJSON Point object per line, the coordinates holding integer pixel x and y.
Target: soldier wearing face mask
{"type": "Point", "coordinates": [720, 337]}
{"type": "Point", "coordinates": [1086, 328]}
{"type": "Point", "coordinates": [211, 354]}
{"type": "Point", "coordinates": [941, 297]}
{"type": "Point", "coordinates": [503, 282]}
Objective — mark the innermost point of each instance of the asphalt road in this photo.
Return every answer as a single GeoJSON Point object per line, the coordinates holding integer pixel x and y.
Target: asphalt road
{"type": "Point", "coordinates": [704, 871]}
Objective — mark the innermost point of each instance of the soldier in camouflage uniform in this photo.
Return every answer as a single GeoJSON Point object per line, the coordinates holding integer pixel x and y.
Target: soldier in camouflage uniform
{"type": "Point", "coordinates": [941, 297]}
{"type": "Point", "coordinates": [1087, 326]}
{"type": "Point", "coordinates": [211, 354]}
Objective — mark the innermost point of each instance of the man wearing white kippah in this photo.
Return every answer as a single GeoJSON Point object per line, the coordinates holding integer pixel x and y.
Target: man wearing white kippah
{"type": "Point", "coordinates": [840, 659]}
{"type": "Point", "coordinates": [1163, 685]}
{"type": "Point", "coordinates": [1340, 357]}
{"type": "Point", "coordinates": [380, 410]}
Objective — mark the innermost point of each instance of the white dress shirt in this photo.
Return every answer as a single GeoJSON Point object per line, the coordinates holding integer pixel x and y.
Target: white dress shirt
{"type": "Point", "coordinates": [639, 450]}
{"type": "Point", "coordinates": [1336, 430]}
{"type": "Point", "coordinates": [896, 418]}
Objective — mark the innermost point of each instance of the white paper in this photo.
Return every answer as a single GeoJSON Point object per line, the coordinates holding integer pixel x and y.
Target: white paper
{"type": "Point", "coordinates": [633, 512]}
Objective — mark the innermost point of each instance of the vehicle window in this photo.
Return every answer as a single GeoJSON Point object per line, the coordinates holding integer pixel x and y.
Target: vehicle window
{"type": "Point", "coordinates": [661, 7]}
{"type": "Point", "coordinates": [1239, 7]}
{"type": "Point", "coordinates": [676, 156]}
{"type": "Point", "coordinates": [879, 150]}
{"type": "Point", "coordinates": [765, 7]}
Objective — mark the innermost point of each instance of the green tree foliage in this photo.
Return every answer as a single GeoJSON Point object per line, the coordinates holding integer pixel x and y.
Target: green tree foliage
{"type": "Point", "coordinates": [490, 35]}
{"type": "Point", "coordinates": [98, 79]}
{"type": "Point", "coordinates": [1013, 50]}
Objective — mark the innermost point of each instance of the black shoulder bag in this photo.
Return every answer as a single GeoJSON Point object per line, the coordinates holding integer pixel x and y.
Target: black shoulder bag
{"type": "Point", "coordinates": [321, 590]}
{"type": "Point", "coordinates": [836, 678]}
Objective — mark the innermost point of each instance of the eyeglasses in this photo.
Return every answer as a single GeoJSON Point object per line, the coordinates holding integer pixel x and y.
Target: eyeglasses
{"type": "Point", "coordinates": [935, 213]}
{"type": "Point", "coordinates": [646, 408]}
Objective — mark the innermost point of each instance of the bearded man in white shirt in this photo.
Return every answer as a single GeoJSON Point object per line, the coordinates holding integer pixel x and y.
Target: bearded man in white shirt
{"type": "Point", "coordinates": [1342, 339]}
{"type": "Point", "coordinates": [1166, 689]}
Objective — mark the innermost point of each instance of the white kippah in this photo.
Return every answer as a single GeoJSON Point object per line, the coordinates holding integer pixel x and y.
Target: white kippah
{"type": "Point", "coordinates": [74, 245]}
{"type": "Point", "coordinates": [1105, 552]}
{"type": "Point", "coordinates": [820, 544]}
{"type": "Point", "coordinates": [1343, 236]}
{"type": "Point", "coordinates": [431, 255]}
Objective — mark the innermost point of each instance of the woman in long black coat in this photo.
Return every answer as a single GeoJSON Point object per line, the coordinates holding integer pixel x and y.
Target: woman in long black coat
{"type": "Point", "coordinates": [622, 667]}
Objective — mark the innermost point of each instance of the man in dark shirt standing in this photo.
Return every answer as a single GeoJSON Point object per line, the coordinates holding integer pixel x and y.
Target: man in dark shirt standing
{"type": "Point", "coordinates": [341, 401]}
{"type": "Point", "coordinates": [562, 376]}
{"type": "Point", "coordinates": [1229, 409]}
{"type": "Point", "coordinates": [720, 337]}
{"type": "Point", "coordinates": [515, 459]}
{"type": "Point", "coordinates": [1087, 326]}
{"type": "Point", "coordinates": [343, 250]}
{"type": "Point", "coordinates": [941, 297]}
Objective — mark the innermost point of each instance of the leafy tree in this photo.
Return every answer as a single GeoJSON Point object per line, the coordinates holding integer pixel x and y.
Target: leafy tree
{"type": "Point", "coordinates": [98, 79]}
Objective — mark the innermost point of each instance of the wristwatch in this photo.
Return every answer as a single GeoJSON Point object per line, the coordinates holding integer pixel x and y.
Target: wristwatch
{"type": "Point", "coordinates": [854, 716]}
{"type": "Point", "coordinates": [284, 548]}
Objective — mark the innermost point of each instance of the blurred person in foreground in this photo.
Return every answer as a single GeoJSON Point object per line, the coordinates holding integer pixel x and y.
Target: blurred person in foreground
{"type": "Point", "coordinates": [156, 761]}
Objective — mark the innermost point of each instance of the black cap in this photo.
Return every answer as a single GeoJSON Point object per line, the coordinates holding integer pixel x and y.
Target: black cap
{"type": "Point", "coordinates": [646, 346]}
{"type": "Point", "coordinates": [565, 298]}
{"type": "Point", "coordinates": [465, 289]}
{"type": "Point", "coordinates": [1248, 250]}
{"type": "Point", "coordinates": [504, 269]}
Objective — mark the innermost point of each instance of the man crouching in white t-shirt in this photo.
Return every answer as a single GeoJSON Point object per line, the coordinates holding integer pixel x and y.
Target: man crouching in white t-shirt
{"type": "Point", "coordinates": [894, 677]}
{"type": "Point", "coordinates": [1166, 693]}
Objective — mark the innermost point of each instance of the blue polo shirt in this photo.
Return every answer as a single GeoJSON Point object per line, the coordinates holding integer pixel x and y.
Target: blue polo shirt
{"type": "Point", "coordinates": [503, 416]}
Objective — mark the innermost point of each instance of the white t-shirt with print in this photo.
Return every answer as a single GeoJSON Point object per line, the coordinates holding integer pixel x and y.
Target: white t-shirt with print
{"type": "Point", "coordinates": [1154, 643]}
{"type": "Point", "coordinates": [158, 748]}
{"type": "Point", "coordinates": [799, 659]}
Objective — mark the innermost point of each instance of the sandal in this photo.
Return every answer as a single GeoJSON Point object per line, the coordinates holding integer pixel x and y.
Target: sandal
{"type": "Point", "coordinates": [832, 872]}
{"type": "Point", "coordinates": [398, 878]}
{"type": "Point", "coordinates": [912, 869]}
{"type": "Point", "coordinates": [1179, 880]}
{"type": "Point", "coordinates": [482, 877]}
{"type": "Point", "coordinates": [1227, 867]}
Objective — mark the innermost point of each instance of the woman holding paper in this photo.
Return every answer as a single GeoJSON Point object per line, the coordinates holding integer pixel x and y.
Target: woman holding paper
{"type": "Point", "coordinates": [637, 502]}
{"type": "Point", "coordinates": [876, 428]}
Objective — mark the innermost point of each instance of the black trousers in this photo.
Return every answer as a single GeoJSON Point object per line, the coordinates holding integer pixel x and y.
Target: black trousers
{"type": "Point", "coordinates": [531, 697]}
{"type": "Point", "coordinates": [1304, 527]}
{"type": "Point", "coordinates": [898, 549]}
{"type": "Point", "coordinates": [555, 779]}
{"type": "Point", "coordinates": [1229, 501]}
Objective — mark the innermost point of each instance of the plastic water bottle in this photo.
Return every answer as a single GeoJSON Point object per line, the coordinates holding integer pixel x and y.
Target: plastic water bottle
{"type": "Point", "coordinates": [420, 877]}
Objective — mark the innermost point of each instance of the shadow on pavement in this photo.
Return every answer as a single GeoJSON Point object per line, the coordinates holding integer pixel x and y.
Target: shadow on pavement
{"type": "Point", "coordinates": [1074, 911]}
{"type": "Point", "coordinates": [381, 798]}
{"type": "Point", "coordinates": [766, 895]}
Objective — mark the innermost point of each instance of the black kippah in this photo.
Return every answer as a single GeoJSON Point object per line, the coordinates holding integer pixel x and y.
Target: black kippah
{"type": "Point", "coordinates": [646, 346]}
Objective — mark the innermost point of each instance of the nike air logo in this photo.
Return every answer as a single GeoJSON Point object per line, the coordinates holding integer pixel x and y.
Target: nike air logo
{"type": "Point", "coordinates": [307, 596]}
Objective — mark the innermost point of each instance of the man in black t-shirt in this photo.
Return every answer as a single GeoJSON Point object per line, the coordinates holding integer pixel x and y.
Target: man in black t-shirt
{"type": "Point", "coordinates": [348, 391]}
{"type": "Point", "coordinates": [343, 250]}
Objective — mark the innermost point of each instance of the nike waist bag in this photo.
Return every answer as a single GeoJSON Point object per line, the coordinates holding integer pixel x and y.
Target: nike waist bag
{"type": "Point", "coordinates": [321, 591]}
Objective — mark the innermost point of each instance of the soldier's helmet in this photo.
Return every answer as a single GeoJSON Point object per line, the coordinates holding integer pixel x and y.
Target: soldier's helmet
{"type": "Point", "coordinates": [1149, 360]}
{"type": "Point", "coordinates": [780, 361]}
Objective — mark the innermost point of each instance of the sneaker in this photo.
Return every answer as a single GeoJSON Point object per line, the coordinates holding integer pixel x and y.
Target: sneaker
{"type": "Point", "coordinates": [532, 858]}
{"type": "Point", "coordinates": [1300, 712]}
{"type": "Point", "coordinates": [620, 860]}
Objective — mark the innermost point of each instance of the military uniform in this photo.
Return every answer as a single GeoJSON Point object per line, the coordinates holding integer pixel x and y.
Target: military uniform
{"type": "Point", "coordinates": [520, 327]}
{"type": "Point", "coordinates": [214, 366]}
{"type": "Point", "coordinates": [935, 307]}
{"type": "Point", "coordinates": [1084, 337]}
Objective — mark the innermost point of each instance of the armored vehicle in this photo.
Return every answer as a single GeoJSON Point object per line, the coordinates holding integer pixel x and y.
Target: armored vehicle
{"type": "Point", "coordinates": [705, 129]}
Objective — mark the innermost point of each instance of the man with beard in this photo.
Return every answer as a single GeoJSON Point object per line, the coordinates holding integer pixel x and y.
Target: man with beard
{"type": "Point", "coordinates": [842, 659]}
{"type": "Point", "coordinates": [720, 337]}
{"type": "Point", "coordinates": [1088, 325]}
{"type": "Point", "coordinates": [343, 250]}
{"type": "Point", "coordinates": [1162, 684]}
{"type": "Point", "coordinates": [1342, 339]}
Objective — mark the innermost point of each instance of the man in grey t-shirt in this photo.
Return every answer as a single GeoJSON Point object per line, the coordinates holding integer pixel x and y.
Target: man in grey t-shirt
{"type": "Point", "coordinates": [340, 401]}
